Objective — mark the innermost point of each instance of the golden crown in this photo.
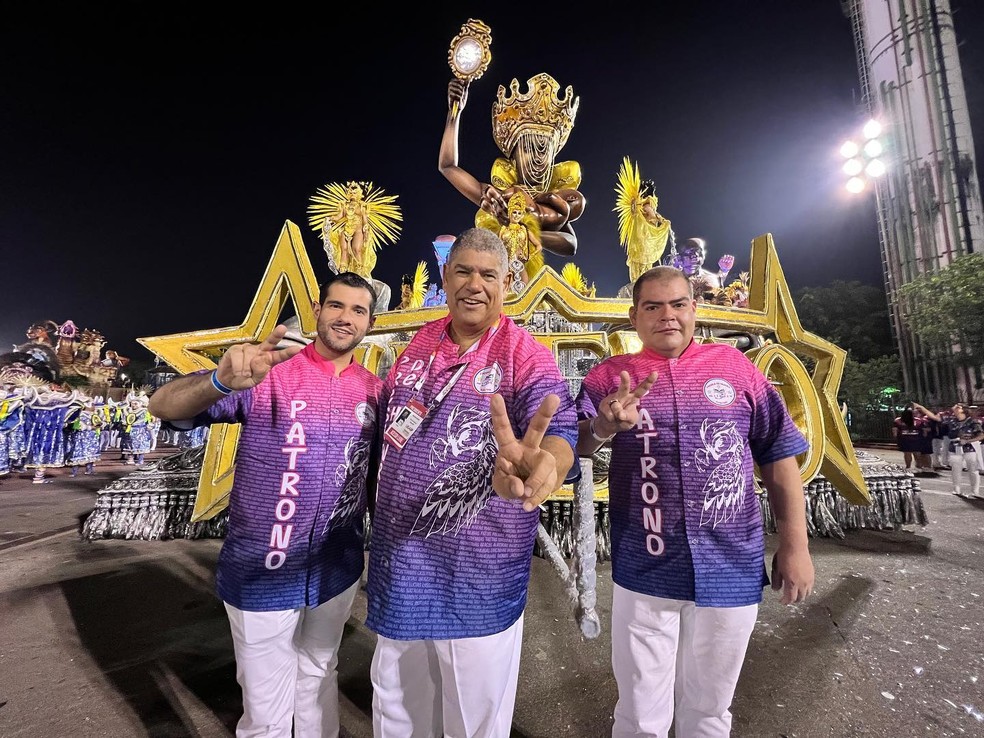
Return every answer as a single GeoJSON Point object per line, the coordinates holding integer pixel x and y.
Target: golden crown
{"type": "Point", "coordinates": [539, 110]}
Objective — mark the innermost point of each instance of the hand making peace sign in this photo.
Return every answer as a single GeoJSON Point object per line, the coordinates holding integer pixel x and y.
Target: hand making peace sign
{"type": "Point", "coordinates": [246, 364]}
{"type": "Point", "coordinates": [619, 411]}
{"type": "Point", "coordinates": [523, 470]}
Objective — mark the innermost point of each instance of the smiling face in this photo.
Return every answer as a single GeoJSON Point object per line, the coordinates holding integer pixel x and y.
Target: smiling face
{"type": "Point", "coordinates": [664, 312]}
{"type": "Point", "coordinates": [475, 283]}
{"type": "Point", "coordinates": [344, 318]}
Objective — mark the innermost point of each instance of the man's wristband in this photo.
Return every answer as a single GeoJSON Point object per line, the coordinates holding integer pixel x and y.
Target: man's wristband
{"type": "Point", "coordinates": [218, 385]}
{"type": "Point", "coordinates": [599, 439]}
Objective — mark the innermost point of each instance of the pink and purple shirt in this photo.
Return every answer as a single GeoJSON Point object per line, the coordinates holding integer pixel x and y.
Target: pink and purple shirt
{"type": "Point", "coordinates": [685, 520]}
{"type": "Point", "coordinates": [296, 508]}
{"type": "Point", "coordinates": [448, 557]}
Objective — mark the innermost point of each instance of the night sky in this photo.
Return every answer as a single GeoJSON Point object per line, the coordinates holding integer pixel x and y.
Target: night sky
{"type": "Point", "coordinates": [150, 160]}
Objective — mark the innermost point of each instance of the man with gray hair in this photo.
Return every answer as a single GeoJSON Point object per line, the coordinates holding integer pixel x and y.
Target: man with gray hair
{"type": "Point", "coordinates": [478, 429]}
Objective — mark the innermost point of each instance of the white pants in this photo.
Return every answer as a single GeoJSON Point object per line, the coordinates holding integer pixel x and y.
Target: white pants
{"type": "Point", "coordinates": [286, 665]}
{"type": "Point", "coordinates": [461, 688]}
{"type": "Point", "coordinates": [674, 659]}
{"type": "Point", "coordinates": [941, 451]}
{"type": "Point", "coordinates": [957, 460]}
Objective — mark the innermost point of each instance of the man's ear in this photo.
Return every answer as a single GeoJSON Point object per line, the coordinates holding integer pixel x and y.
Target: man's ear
{"type": "Point", "coordinates": [509, 279]}
{"type": "Point", "coordinates": [316, 307]}
{"type": "Point", "coordinates": [632, 315]}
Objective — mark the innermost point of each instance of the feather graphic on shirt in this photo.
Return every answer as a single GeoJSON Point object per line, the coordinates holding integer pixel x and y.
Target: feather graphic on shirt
{"type": "Point", "coordinates": [724, 490]}
{"type": "Point", "coordinates": [351, 477]}
{"type": "Point", "coordinates": [461, 491]}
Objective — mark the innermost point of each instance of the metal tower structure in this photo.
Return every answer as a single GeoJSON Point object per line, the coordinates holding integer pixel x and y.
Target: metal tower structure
{"type": "Point", "coordinates": [929, 202]}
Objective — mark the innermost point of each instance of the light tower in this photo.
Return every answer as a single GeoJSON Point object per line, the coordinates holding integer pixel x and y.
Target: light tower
{"type": "Point", "coordinates": [928, 201]}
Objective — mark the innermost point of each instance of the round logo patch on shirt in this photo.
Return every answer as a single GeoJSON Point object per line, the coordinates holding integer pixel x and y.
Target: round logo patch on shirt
{"type": "Point", "coordinates": [719, 392]}
{"type": "Point", "coordinates": [365, 415]}
{"type": "Point", "coordinates": [486, 381]}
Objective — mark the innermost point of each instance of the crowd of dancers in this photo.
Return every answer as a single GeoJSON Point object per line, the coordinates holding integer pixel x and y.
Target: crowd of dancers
{"type": "Point", "coordinates": [43, 426]}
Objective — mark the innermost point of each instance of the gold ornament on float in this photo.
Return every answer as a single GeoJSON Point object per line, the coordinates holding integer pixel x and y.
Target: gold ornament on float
{"type": "Point", "coordinates": [538, 111]}
{"type": "Point", "coordinates": [470, 53]}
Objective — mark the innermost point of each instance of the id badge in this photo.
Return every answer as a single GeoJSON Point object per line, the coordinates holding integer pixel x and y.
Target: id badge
{"type": "Point", "coordinates": [405, 423]}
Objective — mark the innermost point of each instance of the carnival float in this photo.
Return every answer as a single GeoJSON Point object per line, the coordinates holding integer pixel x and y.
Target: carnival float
{"type": "Point", "coordinates": [531, 199]}
{"type": "Point", "coordinates": [60, 401]}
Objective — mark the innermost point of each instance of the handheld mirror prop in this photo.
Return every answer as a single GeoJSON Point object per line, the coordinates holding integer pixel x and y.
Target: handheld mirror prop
{"type": "Point", "coordinates": [470, 53]}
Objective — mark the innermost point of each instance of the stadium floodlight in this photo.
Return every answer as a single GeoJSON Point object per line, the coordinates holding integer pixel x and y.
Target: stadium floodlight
{"type": "Point", "coordinates": [864, 163]}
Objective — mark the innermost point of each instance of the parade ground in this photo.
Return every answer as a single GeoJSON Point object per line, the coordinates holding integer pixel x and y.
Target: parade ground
{"type": "Point", "coordinates": [125, 638]}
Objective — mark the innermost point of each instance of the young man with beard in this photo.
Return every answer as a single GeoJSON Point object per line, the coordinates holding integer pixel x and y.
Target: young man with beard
{"type": "Point", "coordinates": [457, 508]}
{"type": "Point", "coordinates": [688, 422]}
{"type": "Point", "coordinates": [290, 565]}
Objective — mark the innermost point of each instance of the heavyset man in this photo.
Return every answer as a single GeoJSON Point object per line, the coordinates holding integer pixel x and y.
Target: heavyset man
{"type": "Point", "coordinates": [291, 562]}
{"type": "Point", "coordinates": [456, 511]}
{"type": "Point", "coordinates": [687, 421]}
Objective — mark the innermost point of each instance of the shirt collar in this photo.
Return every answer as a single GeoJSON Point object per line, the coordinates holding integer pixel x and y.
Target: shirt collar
{"type": "Point", "coordinates": [324, 364]}
{"type": "Point", "coordinates": [691, 349]}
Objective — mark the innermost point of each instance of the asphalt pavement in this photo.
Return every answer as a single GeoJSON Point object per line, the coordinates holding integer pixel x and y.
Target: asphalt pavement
{"type": "Point", "coordinates": [125, 638]}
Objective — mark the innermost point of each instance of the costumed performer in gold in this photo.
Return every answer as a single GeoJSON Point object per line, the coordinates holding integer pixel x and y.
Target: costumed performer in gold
{"type": "Point", "coordinates": [358, 218]}
{"type": "Point", "coordinates": [414, 290]}
{"type": "Point", "coordinates": [642, 231]}
{"type": "Point", "coordinates": [521, 237]}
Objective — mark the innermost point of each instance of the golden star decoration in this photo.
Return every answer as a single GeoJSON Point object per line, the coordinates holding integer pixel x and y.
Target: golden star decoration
{"type": "Point", "coordinates": [810, 396]}
{"type": "Point", "coordinates": [288, 275]}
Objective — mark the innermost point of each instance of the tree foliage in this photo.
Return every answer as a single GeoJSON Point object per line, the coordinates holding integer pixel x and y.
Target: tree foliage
{"type": "Point", "coordinates": [863, 384]}
{"type": "Point", "coordinates": [851, 315]}
{"type": "Point", "coordinates": [944, 308]}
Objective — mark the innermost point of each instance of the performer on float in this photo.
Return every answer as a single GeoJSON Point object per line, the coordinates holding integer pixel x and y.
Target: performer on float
{"type": "Point", "coordinates": [413, 290]}
{"type": "Point", "coordinates": [135, 433]}
{"type": "Point", "coordinates": [82, 442]}
{"type": "Point", "coordinates": [576, 279]}
{"type": "Point", "coordinates": [47, 412]}
{"type": "Point", "coordinates": [521, 236]}
{"type": "Point", "coordinates": [530, 129]}
{"type": "Point", "coordinates": [643, 232]}
{"type": "Point", "coordinates": [690, 260]}
{"type": "Point", "coordinates": [357, 219]}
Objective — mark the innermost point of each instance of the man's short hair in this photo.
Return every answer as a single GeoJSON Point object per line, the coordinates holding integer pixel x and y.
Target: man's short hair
{"type": "Point", "coordinates": [350, 279]}
{"type": "Point", "coordinates": [481, 239]}
{"type": "Point", "coordinates": [660, 274]}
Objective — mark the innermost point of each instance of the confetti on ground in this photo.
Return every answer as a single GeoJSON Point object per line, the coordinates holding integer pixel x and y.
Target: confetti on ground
{"type": "Point", "coordinates": [974, 713]}
{"type": "Point", "coordinates": [890, 696]}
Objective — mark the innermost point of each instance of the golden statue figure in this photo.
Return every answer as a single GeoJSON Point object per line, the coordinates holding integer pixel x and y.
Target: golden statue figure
{"type": "Point", "coordinates": [357, 219]}
{"type": "Point", "coordinates": [530, 129]}
{"type": "Point", "coordinates": [642, 231]}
